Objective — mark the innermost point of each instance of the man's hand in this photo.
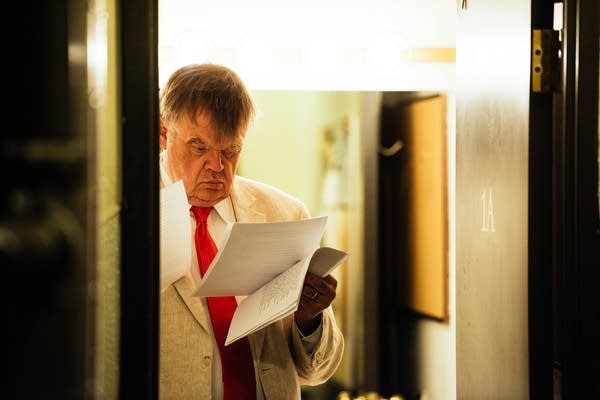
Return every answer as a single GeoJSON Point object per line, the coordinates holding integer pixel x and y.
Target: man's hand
{"type": "Point", "coordinates": [317, 295]}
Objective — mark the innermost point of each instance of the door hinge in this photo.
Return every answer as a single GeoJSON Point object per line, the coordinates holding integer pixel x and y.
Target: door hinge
{"type": "Point", "coordinates": [545, 61]}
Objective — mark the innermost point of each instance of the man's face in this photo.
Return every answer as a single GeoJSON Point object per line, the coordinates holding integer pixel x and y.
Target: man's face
{"type": "Point", "coordinates": [206, 166]}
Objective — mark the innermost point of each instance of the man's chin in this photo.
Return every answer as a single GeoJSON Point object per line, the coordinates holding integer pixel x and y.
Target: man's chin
{"type": "Point", "coordinates": [206, 200]}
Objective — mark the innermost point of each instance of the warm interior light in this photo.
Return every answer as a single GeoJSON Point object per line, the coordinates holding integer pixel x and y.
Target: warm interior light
{"type": "Point", "coordinates": [342, 46]}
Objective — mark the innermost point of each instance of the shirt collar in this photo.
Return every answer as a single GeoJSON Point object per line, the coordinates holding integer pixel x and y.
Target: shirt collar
{"type": "Point", "coordinates": [225, 210]}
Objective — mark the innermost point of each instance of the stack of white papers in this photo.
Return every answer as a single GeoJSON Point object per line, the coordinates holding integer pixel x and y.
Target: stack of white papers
{"type": "Point", "coordinates": [267, 262]}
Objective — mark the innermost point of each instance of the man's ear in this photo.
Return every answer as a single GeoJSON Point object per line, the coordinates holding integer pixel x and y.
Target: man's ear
{"type": "Point", "coordinates": [163, 135]}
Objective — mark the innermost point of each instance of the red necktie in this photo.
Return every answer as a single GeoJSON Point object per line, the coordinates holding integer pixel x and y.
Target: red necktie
{"type": "Point", "coordinates": [236, 360]}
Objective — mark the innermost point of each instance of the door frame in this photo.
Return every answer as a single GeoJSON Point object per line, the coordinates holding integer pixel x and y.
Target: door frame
{"type": "Point", "coordinates": [140, 270]}
{"type": "Point", "coordinates": [564, 231]}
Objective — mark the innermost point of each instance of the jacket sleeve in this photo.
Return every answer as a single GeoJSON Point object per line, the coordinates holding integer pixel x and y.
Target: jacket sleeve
{"type": "Point", "coordinates": [317, 367]}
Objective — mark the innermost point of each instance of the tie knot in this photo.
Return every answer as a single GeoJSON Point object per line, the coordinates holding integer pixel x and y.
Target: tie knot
{"type": "Point", "coordinates": [201, 213]}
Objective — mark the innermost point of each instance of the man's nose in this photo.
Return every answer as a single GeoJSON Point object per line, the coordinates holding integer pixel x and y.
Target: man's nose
{"type": "Point", "coordinates": [214, 160]}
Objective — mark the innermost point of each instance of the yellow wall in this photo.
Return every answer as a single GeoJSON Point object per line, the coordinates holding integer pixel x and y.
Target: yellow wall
{"type": "Point", "coordinates": [282, 148]}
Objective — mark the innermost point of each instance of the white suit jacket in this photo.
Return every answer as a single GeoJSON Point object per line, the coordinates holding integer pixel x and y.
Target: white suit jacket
{"type": "Point", "coordinates": [283, 365]}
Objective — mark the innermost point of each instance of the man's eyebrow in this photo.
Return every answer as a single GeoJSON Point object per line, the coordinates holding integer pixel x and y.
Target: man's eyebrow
{"type": "Point", "coordinates": [196, 140]}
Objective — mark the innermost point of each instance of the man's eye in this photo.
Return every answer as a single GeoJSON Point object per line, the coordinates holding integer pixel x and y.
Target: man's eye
{"type": "Point", "coordinates": [200, 149]}
{"type": "Point", "coordinates": [229, 153]}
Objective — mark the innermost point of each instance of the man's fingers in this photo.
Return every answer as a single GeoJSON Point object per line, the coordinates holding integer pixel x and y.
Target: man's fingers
{"type": "Point", "coordinates": [325, 284]}
{"type": "Point", "coordinates": [331, 281]}
{"type": "Point", "coordinates": [310, 292]}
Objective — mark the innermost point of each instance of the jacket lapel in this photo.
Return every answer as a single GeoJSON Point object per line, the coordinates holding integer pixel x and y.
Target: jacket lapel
{"type": "Point", "coordinates": [185, 288]}
{"type": "Point", "coordinates": [245, 205]}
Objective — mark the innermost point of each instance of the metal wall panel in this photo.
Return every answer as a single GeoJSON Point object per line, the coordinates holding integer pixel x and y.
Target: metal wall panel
{"type": "Point", "coordinates": [491, 199]}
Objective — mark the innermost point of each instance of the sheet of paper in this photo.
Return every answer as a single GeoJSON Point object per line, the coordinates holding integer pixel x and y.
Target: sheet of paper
{"type": "Point", "coordinates": [175, 234]}
{"type": "Point", "coordinates": [281, 296]}
{"type": "Point", "coordinates": [273, 301]}
{"type": "Point", "coordinates": [252, 254]}
{"type": "Point", "coordinates": [325, 260]}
